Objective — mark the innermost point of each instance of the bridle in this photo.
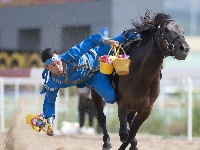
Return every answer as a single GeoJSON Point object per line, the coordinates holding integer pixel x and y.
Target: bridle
{"type": "Point", "coordinates": [163, 38]}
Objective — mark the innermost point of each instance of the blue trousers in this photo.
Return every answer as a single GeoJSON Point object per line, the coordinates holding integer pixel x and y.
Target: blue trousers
{"type": "Point", "coordinates": [101, 84]}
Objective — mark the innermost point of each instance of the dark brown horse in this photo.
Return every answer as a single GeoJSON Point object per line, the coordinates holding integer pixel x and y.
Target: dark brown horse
{"type": "Point", "coordinates": [161, 37]}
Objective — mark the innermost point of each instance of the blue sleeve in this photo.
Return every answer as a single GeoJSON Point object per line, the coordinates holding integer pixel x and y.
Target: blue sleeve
{"type": "Point", "coordinates": [49, 103]}
{"type": "Point", "coordinates": [78, 50]}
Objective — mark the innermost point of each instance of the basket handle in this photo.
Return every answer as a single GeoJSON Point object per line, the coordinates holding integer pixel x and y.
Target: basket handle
{"type": "Point", "coordinates": [114, 49]}
{"type": "Point", "coordinates": [120, 48]}
{"type": "Point", "coordinates": [114, 54]}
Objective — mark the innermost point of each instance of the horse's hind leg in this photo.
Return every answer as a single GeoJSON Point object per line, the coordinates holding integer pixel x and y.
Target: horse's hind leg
{"type": "Point", "coordinates": [98, 102]}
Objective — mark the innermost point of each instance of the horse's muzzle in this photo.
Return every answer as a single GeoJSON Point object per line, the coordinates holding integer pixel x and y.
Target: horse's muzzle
{"type": "Point", "coordinates": [184, 48]}
{"type": "Point", "coordinates": [180, 55]}
{"type": "Point", "coordinates": [182, 52]}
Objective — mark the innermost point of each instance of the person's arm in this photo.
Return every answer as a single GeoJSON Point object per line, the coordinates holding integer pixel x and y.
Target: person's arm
{"type": "Point", "coordinates": [49, 107]}
{"type": "Point", "coordinates": [78, 50]}
{"type": "Point", "coordinates": [92, 41]}
{"type": "Point", "coordinates": [49, 103]}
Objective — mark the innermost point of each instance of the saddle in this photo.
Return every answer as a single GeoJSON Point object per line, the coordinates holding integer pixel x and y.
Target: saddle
{"type": "Point", "coordinates": [128, 45]}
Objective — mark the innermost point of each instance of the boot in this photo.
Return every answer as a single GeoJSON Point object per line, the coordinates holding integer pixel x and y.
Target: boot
{"type": "Point", "coordinates": [50, 128]}
{"type": "Point", "coordinates": [131, 35]}
{"type": "Point", "coordinates": [132, 38]}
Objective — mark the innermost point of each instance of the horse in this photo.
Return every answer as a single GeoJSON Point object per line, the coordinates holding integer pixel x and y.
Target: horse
{"type": "Point", "coordinates": [161, 36]}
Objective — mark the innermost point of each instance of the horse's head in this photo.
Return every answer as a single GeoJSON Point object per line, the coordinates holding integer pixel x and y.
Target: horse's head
{"type": "Point", "coordinates": [169, 37]}
{"type": "Point", "coordinates": [167, 34]}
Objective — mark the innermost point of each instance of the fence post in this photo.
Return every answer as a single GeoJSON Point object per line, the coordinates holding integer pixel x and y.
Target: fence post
{"type": "Point", "coordinates": [66, 98]}
{"type": "Point", "coordinates": [189, 128]}
{"type": "Point", "coordinates": [2, 128]}
{"type": "Point", "coordinates": [56, 113]}
{"type": "Point", "coordinates": [17, 87]}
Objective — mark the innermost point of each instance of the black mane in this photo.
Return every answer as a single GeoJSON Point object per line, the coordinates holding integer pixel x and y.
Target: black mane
{"type": "Point", "coordinates": [150, 19]}
{"type": "Point", "coordinates": [148, 23]}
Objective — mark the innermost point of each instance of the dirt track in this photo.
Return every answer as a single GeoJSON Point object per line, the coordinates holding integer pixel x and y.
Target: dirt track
{"type": "Point", "coordinates": [22, 137]}
{"type": "Point", "coordinates": [32, 141]}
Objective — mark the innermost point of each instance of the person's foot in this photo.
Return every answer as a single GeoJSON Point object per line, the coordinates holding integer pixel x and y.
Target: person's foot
{"type": "Point", "coordinates": [50, 131]}
{"type": "Point", "coordinates": [82, 130]}
{"type": "Point", "coordinates": [90, 131]}
{"type": "Point", "coordinates": [131, 35]}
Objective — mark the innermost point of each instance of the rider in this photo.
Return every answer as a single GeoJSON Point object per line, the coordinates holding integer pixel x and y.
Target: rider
{"type": "Point", "coordinates": [79, 66]}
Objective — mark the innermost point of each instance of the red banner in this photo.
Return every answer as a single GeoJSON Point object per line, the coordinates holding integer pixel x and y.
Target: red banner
{"type": "Point", "coordinates": [7, 3]}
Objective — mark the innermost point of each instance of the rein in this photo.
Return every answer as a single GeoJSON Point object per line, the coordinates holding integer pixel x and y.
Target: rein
{"type": "Point", "coordinates": [163, 38]}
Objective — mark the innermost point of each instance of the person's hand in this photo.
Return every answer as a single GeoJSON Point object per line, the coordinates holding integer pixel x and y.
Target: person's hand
{"type": "Point", "coordinates": [113, 43]}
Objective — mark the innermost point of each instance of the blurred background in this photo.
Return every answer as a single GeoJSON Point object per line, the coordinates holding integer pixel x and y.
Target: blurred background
{"type": "Point", "coordinates": [29, 26]}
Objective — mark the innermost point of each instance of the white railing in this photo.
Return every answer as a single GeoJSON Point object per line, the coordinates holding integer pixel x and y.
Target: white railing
{"type": "Point", "coordinates": [2, 103]}
{"type": "Point", "coordinates": [23, 81]}
{"type": "Point", "coordinates": [188, 75]}
{"type": "Point", "coordinates": [188, 86]}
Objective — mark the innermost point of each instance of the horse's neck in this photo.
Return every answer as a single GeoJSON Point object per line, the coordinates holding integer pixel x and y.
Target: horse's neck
{"type": "Point", "coordinates": [151, 61]}
{"type": "Point", "coordinates": [152, 56]}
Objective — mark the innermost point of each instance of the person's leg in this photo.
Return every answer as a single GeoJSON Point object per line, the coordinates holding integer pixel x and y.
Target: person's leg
{"type": "Point", "coordinates": [101, 84]}
{"type": "Point", "coordinates": [81, 111]}
{"type": "Point", "coordinates": [81, 117]}
{"type": "Point", "coordinates": [90, 115]}
{"type": "Point", "coordinates": [131, 35]}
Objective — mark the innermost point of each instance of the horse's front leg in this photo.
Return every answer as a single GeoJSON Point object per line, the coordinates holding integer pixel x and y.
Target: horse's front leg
{"type": "Point", "coordinates": [130, 118]}
{"type": "Point", "coordinates": [137, 122]}
{"type": "Point", "coordinates": [123, 131]}
{"type": "Point", "coordinates": [98, 102]}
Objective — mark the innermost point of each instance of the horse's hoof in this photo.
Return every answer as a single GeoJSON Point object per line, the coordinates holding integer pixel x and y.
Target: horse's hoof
{"type": "Point", "coordinates": [133, 144]}
{"type": "Point", "coordinates": [133, 148]}
{"type": "Point", "coordinates": [123, 138]}
{"type": "Point", "coordinates": [106, 147]}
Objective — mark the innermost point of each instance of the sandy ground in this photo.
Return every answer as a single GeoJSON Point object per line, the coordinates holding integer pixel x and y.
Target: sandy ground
{"type": "Point", "coordinates": [22, 137]}
{"type": "Point", "coordinates": [29, 140]}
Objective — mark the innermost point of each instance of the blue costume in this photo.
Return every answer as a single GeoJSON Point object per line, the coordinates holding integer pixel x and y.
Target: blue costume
{"type": "Point", "coordinates": [81, 68]}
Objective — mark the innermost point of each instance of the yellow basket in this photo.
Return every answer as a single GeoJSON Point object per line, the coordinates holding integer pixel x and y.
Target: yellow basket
{"type": "Point", "coordinates": [121, 65]}
{"type": "Point", "coordinates": [106, 68]}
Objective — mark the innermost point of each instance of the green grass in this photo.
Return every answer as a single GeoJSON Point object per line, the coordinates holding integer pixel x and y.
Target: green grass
{"type": "Point", "coordinates": [168, 121]}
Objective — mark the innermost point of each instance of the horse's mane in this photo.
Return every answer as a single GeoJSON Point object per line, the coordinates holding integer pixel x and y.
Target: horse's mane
{"type": "Point", "coordinates": [149, 23]}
